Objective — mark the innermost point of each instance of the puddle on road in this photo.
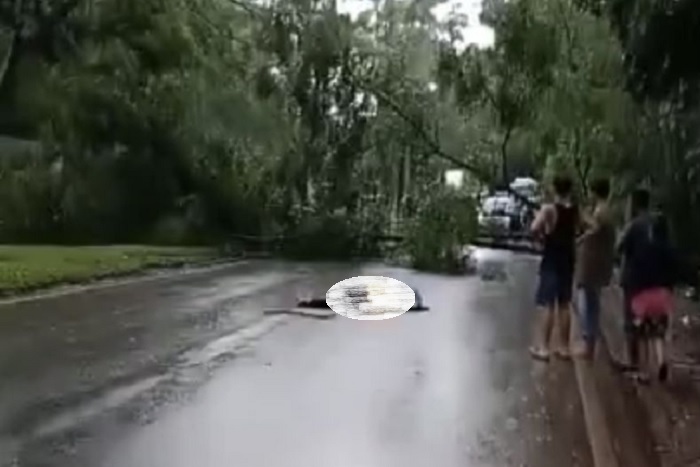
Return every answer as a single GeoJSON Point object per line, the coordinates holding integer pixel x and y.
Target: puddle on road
{"type": "Point", "coordinates": [230, 344]}
{"type": "Point", "coordinates": [9, 448]}
{"type": "Point", "coordinates": [232, 289]}
{"type": "Point", "coordinates": [113, 399]}
{"type": "Point", "coordinates": [493, 271]}
{"type": "Point", "coordinates": [192, 368]}
{"type": "Point", "coordinates": [492, 265]}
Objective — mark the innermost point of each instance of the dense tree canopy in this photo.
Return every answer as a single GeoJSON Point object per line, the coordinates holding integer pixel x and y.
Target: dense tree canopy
{"type": "Point", "coordinates": [192, 120]}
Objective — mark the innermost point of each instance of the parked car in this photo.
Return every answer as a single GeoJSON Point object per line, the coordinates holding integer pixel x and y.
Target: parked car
{"type": "Point", "coordinates": [496, 215]}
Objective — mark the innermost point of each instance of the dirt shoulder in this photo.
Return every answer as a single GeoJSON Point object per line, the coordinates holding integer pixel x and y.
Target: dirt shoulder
{"type": "Point", "coordinates": [671, 412]}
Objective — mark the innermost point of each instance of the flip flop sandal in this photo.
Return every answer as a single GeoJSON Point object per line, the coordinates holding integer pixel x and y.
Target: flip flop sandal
{"type": "Point", "coordinates": [624, 368]}
{"type": "Point", "coordinates": [539, 354]}
{"type": "Point", "coordinates": [639, 378]}
{"type": "Point", "coordinates": [643, 378]}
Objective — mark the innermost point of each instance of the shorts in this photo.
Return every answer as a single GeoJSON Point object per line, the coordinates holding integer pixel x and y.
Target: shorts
{"type": "Point", "coordinates": [651, 328]}
{"type": "Point", "coordinates": [554, 287]}
{"type": "Point", "coordinates": [651, 310]}
{"type": "Point", "coordinates": [652, 303]}
{"type": "Point", "coordinates": [588, 307]}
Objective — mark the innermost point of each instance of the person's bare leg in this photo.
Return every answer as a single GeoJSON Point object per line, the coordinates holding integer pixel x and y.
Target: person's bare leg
{"type": "Point", "coordinates": [645, 359]}
{"type": "Point", "coordinates": [547, 328]}
{"type": "Point", "coordinates": [660, 351]}
{"type": "Point", "coordinates": [564, 330]}
{"type": "Point", "coordinates": [543, 333]}
{"type": "Point", "coordinates": [585, 327]}
{"type": "Point", "coordinates": [656, 356]}
{"type": "Point", "coordinates": [633, 345]}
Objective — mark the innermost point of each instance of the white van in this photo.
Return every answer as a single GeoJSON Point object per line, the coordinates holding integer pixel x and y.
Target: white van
{"type": "Point", "coordinates": [497, 214]}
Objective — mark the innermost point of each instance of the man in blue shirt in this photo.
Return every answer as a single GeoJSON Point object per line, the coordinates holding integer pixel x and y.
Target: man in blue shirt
{"type": "Point", "coordinates": [632, 247]}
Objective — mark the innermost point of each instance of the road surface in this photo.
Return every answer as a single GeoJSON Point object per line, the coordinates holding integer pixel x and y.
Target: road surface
{"type": "Point", "coordinates": [188, 372]}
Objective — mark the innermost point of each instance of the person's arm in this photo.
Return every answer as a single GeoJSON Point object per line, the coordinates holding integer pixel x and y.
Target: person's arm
{"type": "Point", "coordinates": [585, 220]}
{"type": "Point", "coordinates": [624, 240]}
{"type": "Point", "coordinates": [543, 221]}
{"type": "Point", "coordinates": [591, 224]}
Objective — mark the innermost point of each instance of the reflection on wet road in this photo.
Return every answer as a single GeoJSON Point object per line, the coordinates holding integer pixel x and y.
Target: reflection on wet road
{"type": "Point", "coordinates": [189, 372]}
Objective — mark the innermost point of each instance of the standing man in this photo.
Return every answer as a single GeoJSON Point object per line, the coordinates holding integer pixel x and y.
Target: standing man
{"type": "Point", "coordinates": [555, 225]}
{"type": "Point", "coordinates": [594, 266]}
{"type": "Point", "coordinates": [652, 300]}
{"type": "Point", "coordinates": [632, 247]}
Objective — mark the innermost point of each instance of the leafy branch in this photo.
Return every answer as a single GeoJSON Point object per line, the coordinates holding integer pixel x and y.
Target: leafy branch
{"type": "Point", "coordinates": [420, 130]}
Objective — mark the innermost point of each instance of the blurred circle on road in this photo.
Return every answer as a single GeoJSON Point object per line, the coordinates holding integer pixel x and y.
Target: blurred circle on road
{"type": "Point", "coordinates": [370, 298]}
{"type": "Point", "coordinates": [491, 265]}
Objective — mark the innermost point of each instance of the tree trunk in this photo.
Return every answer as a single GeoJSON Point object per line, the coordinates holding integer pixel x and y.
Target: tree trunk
{"type": "Point", "coordinates": [9, 124]}
{"type": "Point", "coordinates": [406, 183]}
{"type": "Point", "coordinates": [582, 163]}
{"type": "Point", "coordinates": [395, 196]}
{"type": "Point", "coordinates": [504, 156]}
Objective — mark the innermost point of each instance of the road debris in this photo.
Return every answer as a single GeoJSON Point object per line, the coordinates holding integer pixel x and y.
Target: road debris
{"type": "Point", "coordinates": [315, 313]}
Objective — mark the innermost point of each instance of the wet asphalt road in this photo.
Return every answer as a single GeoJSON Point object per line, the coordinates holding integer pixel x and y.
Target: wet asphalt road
{"type": "Point", "coordinates": [188, 372]}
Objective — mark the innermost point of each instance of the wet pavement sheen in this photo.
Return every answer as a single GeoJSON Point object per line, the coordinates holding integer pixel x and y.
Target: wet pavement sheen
{"type": "Point", "coordinates": [190, 372]}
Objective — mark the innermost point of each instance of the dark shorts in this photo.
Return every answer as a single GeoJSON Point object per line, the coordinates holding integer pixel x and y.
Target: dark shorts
{"type": "Point", "coordinates": [649, 328]}
{"type": "Point", "coordinates": [588, 308]}
{"type": "Point", "coordinates": [554, 287]}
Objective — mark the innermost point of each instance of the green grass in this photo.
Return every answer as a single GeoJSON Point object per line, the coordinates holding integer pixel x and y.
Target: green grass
{"type": "Point", "coordinates": [26, 268]}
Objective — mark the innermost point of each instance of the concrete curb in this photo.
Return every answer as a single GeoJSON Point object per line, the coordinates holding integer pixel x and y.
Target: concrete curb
{"type": "Point", "coordinates": [611, 326]}
{"type": "Point", "coordinates": [617, 429]}
{"type": "Point", "coordinates": [597, 429]}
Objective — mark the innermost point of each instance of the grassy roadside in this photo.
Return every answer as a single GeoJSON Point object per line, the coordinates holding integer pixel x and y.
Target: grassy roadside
{"type": "Point", "coordinates": [28, 268]}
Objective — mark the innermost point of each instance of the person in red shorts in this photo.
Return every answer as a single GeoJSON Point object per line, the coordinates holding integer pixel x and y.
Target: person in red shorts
{"type": "Point", "coordinates": [651, 301]}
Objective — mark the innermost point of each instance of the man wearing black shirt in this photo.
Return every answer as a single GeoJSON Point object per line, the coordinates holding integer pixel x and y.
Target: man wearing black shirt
{"type": "Point", "coordinates": [632, 247]}
{"type": "Point", "coordinates": [555, 225]}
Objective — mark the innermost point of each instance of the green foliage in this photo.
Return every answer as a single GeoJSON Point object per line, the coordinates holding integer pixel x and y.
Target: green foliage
{"type": "Point", "coordinates": [332, 236]}
{"type": "Point", "coordinates": [150, 108]}
{"type": "Point", "coordinates": [659, 39]}
{"type": "Point", "coordinates": [173, 230]}
{"type": "Point", "coordinates": [28, 203]}
{"type": "Point", "coordinates": [190, 121]}
{"type": "Point", "coordinates": [444, 223]}
{"type": "Point", "coordinates": [508, 80]}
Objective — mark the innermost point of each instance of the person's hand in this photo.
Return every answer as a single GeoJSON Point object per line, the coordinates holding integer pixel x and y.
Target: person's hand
{"type": "Point", "coordinates": [581, 238]}
{"type": "Point", "coordinates": [586, 217]}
